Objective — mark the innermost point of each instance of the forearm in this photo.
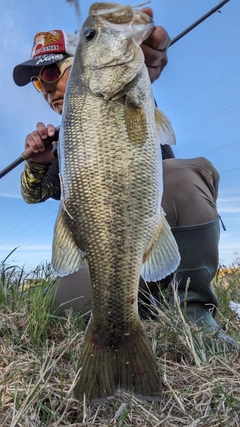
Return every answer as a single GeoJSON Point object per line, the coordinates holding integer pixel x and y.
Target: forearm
{"type": "Point", "coordinates": [35, 184]}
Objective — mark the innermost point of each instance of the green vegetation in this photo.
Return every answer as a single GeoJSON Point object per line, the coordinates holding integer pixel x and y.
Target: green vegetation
{"type": "Point", "coordinates": [39, 352]}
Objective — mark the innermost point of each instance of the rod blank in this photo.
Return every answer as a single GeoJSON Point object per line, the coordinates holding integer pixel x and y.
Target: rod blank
{"type": "Point", "coordinates": [199, 21]}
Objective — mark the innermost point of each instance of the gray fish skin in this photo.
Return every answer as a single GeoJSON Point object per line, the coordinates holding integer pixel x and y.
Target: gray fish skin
{"type": "Point", "coordinates": [111, 177]}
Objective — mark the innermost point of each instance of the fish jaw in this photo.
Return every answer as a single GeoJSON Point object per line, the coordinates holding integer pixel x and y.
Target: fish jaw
{"type": "Point", "coordinates": [137, 23]}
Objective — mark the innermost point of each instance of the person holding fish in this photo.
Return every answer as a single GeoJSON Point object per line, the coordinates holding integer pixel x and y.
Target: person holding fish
{"type": "Point", "coordinates": [189, 195]}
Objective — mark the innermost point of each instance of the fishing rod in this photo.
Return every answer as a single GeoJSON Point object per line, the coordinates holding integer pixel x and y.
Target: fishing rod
{"type": "Point", "coordinates": [199, 21]}
{"type": "Point", "coordinates": [29, 153]}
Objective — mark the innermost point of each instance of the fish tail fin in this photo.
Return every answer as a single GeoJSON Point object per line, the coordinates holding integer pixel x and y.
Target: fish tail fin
{"type": "Point", "coordinates": [128, 365]}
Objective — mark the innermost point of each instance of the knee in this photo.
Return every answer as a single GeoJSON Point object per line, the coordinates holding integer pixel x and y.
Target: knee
{"type": "Point", "coordinates": [189, 195]}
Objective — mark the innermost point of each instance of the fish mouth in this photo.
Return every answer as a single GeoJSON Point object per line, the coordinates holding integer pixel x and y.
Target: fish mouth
{"type": "Point", "coordinates": [119, 14]}
{"type": "Point", "coordinates": [138, 23]}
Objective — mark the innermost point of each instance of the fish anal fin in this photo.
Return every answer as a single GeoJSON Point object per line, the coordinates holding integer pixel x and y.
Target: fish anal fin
{"type": "Point", "coordinates": [162, 257]}
{"type": "Point", "coordinates": [66, 257]}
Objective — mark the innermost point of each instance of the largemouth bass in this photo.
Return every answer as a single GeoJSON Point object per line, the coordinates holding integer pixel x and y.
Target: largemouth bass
{"type": "Point", "coordinates": [111, 174]}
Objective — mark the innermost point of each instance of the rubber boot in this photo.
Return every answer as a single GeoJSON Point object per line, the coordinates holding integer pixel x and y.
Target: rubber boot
{"type": "Point", "coordinates": [73, 292]}
{"type": "Point", "coordinates": [198, 247]}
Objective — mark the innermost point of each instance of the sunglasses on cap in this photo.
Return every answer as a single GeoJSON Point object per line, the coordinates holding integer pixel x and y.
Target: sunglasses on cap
{"type": "Point", "coordinates": [51, 73]}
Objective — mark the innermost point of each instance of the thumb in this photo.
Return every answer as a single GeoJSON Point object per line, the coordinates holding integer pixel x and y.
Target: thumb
{"type": "Point", "coordinates": [148, 11]}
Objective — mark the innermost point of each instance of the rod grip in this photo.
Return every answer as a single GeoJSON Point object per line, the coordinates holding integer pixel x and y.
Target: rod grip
{"type": "Point", "coordinates": [49, 140]}
{"type": "Point", "coordinates": [28, 153]}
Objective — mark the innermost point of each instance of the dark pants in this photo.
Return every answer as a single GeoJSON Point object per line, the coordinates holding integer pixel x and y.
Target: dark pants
{"type": "Point", "coordinates": [189, 198]}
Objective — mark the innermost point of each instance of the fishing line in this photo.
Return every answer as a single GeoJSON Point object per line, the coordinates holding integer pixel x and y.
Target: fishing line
{"type": "Point", "coordinates": [229, 170]}
{"type": "Point", "coordinates": [202, 90]}
{"type": "Point", "coordinates": [29, 210]}
{"type": "Point", "coordinates": [186, 129]}
{"type": "Point", "coordinates": [27, 235]}
{"type": "Point", "coordinates": [77, 7]}
{"type": "Point", "coordinates": [39, 240]}
{"type": "Point", "coordinates": [231, 144]}
{"type": "Point", "coordinates": [11, 210]}
{"type": "Point", "coordinates": [27, 220]}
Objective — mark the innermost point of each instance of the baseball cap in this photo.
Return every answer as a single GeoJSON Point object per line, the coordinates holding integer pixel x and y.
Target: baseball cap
{"type": "Point", "coordinates": [48, 47]}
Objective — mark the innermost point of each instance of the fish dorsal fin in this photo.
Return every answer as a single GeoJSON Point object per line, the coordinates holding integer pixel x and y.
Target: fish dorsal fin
{"type": "Point", "coordinates": [66, 257]}
{"type": "Point", "coordinates": [164, 127]}
{"type": "Point", "coordinates": [162, 258]}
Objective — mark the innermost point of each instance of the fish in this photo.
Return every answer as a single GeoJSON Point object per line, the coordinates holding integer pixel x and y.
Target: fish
{"type": "Point", "coordinates": [110, 166]}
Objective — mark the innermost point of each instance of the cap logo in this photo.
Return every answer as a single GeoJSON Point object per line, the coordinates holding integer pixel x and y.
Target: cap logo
{"type": "Point", "coordinates": [47, 58]}
{"type": "Point", "coordinates": [48, 42]}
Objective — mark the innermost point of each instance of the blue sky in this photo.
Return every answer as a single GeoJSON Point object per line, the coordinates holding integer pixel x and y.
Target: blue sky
{"type": "Point", "coordinates": [199, 90]}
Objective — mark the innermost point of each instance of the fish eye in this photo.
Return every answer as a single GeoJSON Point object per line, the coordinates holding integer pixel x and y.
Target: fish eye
{"type": "Point", "coordinates": [89, 34]}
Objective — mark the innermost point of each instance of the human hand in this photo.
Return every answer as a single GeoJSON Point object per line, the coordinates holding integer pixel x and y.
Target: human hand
{"type": "Point", "coordinates": [35, 140]}
{"type": "Point", "coordinates": [155, 49]}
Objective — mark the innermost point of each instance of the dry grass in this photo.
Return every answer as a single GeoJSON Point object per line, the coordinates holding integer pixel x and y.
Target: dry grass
{"type": "Point", "coordinates": [38, 367]}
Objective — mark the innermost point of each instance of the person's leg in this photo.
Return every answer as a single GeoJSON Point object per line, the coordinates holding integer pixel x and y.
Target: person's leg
{"type": "Point", "coordinates": [189, 201]}
{"type": "Point", "coordinates": [73, 291]}
{"type": "Point", "coordinates": [190, 191]}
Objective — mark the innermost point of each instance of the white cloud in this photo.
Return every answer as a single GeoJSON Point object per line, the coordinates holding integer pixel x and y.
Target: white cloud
{"type": "Point", "coordinates": [229, 199]}
{"type": "Point", "coordinates": [229, 209]}
{"type": "Point", "coordinates": [230, 194]}
{"type": "Point", "coordinates": [229, 203]}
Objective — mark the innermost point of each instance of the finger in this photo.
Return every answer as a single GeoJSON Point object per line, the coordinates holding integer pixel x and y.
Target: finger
{"type": "Point", "coordinates": [34, 141]}
{"type": "Point", "coordinates": [42, 130]}
{"type": "Point", "coordinates": [158, 39]}
{"type": "Point", "coordinates": [51, 130]}
{"type": "Point", "coordinates": [154, 58]}
{"type": "Point", "coordinates": [154, 73]}
{"type": "Point", "coordinates": [148, 11]}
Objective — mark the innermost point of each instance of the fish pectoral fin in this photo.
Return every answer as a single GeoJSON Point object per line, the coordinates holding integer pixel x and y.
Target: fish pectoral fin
{"type": "Point", "coordinates": [66, 257]}
{"type": "Point", "coordinates": [136, 123]}
{"type": "Point", "coordinates": [166, 133]}
{"type": "Point", "coordinates": [163, 256]}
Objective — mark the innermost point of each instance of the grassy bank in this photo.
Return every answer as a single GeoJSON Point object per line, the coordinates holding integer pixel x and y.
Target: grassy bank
{"type": "Point", "coordinates": [39, 354]}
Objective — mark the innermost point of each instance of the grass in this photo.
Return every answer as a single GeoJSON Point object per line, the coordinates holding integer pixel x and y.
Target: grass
{"type": "Point", "coordinates": [39, 354]}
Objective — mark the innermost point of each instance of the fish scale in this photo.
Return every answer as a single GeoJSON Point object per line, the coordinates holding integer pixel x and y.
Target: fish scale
{"type": "Point", "coordinates": [111, 176]}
